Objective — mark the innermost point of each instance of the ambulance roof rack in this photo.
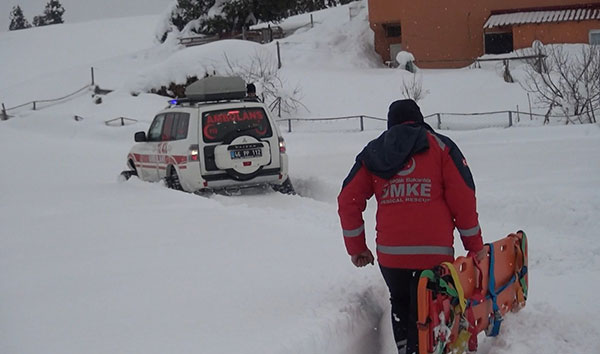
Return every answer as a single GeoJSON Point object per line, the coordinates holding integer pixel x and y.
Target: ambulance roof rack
{"type": "Point", "coordinates": [215, 88]}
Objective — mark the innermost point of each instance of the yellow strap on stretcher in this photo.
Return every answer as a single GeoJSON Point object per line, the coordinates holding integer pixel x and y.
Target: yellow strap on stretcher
{"type": "Point", "coordinates": [457, 285]}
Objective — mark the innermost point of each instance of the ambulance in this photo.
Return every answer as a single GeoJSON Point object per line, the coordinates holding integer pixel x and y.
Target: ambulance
{"type": "Point", "coordinates": [214, 139]}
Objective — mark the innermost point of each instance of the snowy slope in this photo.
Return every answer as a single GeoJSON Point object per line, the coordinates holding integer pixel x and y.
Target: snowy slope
{"type": "Point", "coordinates": [82, 11]}
{"type": "Point", "coordinates": [91, 265]}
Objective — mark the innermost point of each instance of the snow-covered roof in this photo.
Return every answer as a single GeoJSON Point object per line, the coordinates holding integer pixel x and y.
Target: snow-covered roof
{"type": "Point", "coordinates": [525, 17]}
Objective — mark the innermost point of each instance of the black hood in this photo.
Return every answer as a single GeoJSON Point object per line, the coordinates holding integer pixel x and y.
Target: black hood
{"type": "Point", "coordinates": [402, 111]}
{"type": "Point", "coordinates": [388, 154]}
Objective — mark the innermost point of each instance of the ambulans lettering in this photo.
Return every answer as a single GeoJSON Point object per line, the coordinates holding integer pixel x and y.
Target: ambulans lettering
{"type": "Point", "coordinates": [217, 125]}
{"type": "Point", "coordinates": [234, 116]}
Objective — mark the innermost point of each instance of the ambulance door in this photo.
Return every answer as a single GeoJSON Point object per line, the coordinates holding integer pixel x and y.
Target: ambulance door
{"type": "Point", "coordinates": [152, 146]}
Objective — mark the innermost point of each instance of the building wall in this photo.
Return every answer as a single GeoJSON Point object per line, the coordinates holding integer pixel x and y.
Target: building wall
{"type": "Point", "coordinates": [446, 33]}
{"type": "Point", "coordinates": [564, 32]}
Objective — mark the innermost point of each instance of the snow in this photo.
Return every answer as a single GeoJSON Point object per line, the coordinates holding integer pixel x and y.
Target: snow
{"type": "Point", "coordinates": [83, 11]}
{"type": "Point", "coordinates": [403, 58]}
{"type": "Point", "coordinates": [91, 265]}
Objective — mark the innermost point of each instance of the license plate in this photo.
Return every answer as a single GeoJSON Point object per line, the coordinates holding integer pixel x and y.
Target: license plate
{"type": "Point", "coordinates": [245, 154]}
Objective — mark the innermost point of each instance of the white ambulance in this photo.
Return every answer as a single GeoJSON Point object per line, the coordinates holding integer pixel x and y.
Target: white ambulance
{"type": "Point", "coordinates": [215, 139]}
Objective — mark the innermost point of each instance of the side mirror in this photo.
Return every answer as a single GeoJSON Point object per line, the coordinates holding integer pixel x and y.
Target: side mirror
{"type": "Point", "coordinates": [140, 137]}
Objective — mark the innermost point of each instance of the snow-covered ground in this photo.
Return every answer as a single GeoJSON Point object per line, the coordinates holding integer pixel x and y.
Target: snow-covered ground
{"type": "Point", "coordinates": [91, 265]}
{"type": "Point", "coordinates": [80, 11]}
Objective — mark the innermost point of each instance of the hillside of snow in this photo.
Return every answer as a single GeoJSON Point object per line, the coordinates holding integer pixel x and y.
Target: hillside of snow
{"type": "Point", "coordinates": [89, 264]}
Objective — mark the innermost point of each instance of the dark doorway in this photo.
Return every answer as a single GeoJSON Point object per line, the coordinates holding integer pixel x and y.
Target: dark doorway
{"type": "Point", "coordinates": [498, 43]}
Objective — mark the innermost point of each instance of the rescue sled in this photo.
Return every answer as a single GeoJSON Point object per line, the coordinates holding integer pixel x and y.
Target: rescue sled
{"type": "Point", "coordinates": [458, 300]}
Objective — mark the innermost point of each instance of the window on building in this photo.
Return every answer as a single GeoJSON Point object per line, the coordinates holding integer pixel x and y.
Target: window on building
{"type": "Point", "coordinates": [393, 30]}
{"type": "Point", "coordinates": [595, 36]}
{"type": "Point", "coordinates": [498, 43]}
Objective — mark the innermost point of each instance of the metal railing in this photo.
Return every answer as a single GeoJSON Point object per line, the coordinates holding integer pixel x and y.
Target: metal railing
{"type": "Point", "coordinates": [120, 121]}
{"type": "Point", "coordinates": [449, 121]}
{"type": "Point", "coordinates": [35, 103]}
{"type": "Point", "coordinates": [509, 116]}
{"type": "Point", "coordinates": [361, 119]}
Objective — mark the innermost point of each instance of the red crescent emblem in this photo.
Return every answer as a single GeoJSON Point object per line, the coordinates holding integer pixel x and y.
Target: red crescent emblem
{"type": "Point", "coordinates": [207, 131]}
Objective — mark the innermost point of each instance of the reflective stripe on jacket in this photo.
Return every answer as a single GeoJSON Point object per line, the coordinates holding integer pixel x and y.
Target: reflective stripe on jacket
{"type": "Point", "coordinates": [419, 201]}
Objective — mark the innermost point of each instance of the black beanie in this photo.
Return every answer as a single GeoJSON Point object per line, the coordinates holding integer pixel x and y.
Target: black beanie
{"type": "Point", "coordinates": [404, 111]}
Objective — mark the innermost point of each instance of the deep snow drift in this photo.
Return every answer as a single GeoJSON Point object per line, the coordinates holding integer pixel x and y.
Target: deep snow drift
{"type": "Point", "coordinates": [91, 265]}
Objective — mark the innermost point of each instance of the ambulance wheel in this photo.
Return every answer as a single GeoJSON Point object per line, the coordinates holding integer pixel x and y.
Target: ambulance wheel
{"type": "Point", "coordinates": [172, 179]}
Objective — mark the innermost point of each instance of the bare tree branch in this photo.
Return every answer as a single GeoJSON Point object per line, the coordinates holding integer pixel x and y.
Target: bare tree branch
{"type": "Point", "coordinates": [571, 82]}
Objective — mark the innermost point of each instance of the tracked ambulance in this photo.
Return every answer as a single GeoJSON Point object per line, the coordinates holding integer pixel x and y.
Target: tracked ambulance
{"type": "Point", "coordinates": [214, 139]}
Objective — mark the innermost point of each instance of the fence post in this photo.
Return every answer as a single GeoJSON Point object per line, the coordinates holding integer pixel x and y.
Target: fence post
{"type": "Point", "coordinates": [92, 76]}
{"type": "Point", "coordinates": [278, 56]}
{"type": "Point", "coordinates": [510, 121]}
{"type": "Point", "coordinates": [122, 121]}
{"type": "Point", "coordinates": [530, 114]}
{"type": "Point", "coordinates": [3, 115]}
{"type": "Point", "coordinates": [33, 105]}
{"type": "Point", "coordinates": [289, 125]}
{"type": "Point", "coordinates": [362, 124]}
{"type": "Point", "coordinates": [439, 120]}
{"type": "Point", "coordinates": [311, 21]}
{"type": "Point", "coordinates": [270, 34]}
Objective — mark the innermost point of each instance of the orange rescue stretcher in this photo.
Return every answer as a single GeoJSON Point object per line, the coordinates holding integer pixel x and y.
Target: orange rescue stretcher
{"type": "Point", "coordinates": [458, 300]}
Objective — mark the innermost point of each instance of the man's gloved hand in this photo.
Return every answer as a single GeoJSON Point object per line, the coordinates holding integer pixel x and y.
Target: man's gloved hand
{"type": "Point", "coordinates": [479, 255]}
{"type": "Point", "coordinates": [363, 258]}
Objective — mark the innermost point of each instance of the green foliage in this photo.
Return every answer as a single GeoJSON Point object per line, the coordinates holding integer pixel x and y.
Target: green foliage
{"type": "Point", "coordinates": [53, 13]}
{"type": "Point", "coordinates": [17, 19]}
{"type": "Point", "coordinates": [190, 10]}
{"type": "Point", "coordinates": [39, 21]}
{"type": "Point", "coordinates": [237, 14]}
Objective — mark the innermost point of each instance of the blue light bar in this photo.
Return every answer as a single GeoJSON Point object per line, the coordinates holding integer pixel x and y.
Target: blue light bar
{"type": "Point", "coordinates": [173, 102]}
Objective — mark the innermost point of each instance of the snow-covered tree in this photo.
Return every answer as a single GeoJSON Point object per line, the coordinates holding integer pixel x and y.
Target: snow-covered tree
{"type": "Point", "coordinates": [39, 21]}
{"type": "Point", "coordinates": [303, 6]}
{"type": "Point", "coordinates": [190, 10]}
{"type": "Point", "coordinates": [17, 19]}
{"type": "Point", "coordinates": [218, 16]}
{"type": "Point", "coordinates": [53, 13]}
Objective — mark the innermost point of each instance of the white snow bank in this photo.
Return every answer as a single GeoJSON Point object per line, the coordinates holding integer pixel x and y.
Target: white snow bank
{"type": "Point", "coordinates": [91, 265]}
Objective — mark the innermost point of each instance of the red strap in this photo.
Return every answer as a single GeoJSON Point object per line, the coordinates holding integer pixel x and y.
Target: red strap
{"type": "Point", "coordinates": [472, 329]}
{"type": "Point", "coordinates": [478, 293]}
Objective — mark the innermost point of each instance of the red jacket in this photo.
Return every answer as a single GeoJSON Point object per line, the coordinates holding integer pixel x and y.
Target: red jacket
{"type": "Point", "coordinates": [424, 189]}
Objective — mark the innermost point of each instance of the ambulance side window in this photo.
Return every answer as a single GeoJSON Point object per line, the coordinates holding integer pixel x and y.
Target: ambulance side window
{"type": "Point", "coordinates": [155, 131]}
{"type": "Point", "coordinates": [181, 126]}
{"type": "Point", "coordinates": [167, 133]}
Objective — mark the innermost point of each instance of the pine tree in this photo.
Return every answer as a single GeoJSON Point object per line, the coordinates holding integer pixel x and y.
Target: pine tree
{"type": "Point", "coordinates": [39, 21]}
{"type": "Point", "coordinates": [189, 10]}
{"type": "Point", "coordinates": [54, 12]}
{"type": "Point", "coordinates": [235, 13]}
{"type": "Point", "coordinates": [17, 19]}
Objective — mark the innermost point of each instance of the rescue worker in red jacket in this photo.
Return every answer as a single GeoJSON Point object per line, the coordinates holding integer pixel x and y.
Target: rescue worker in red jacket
{"type": "Point", "coordinates": [424, 190]}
